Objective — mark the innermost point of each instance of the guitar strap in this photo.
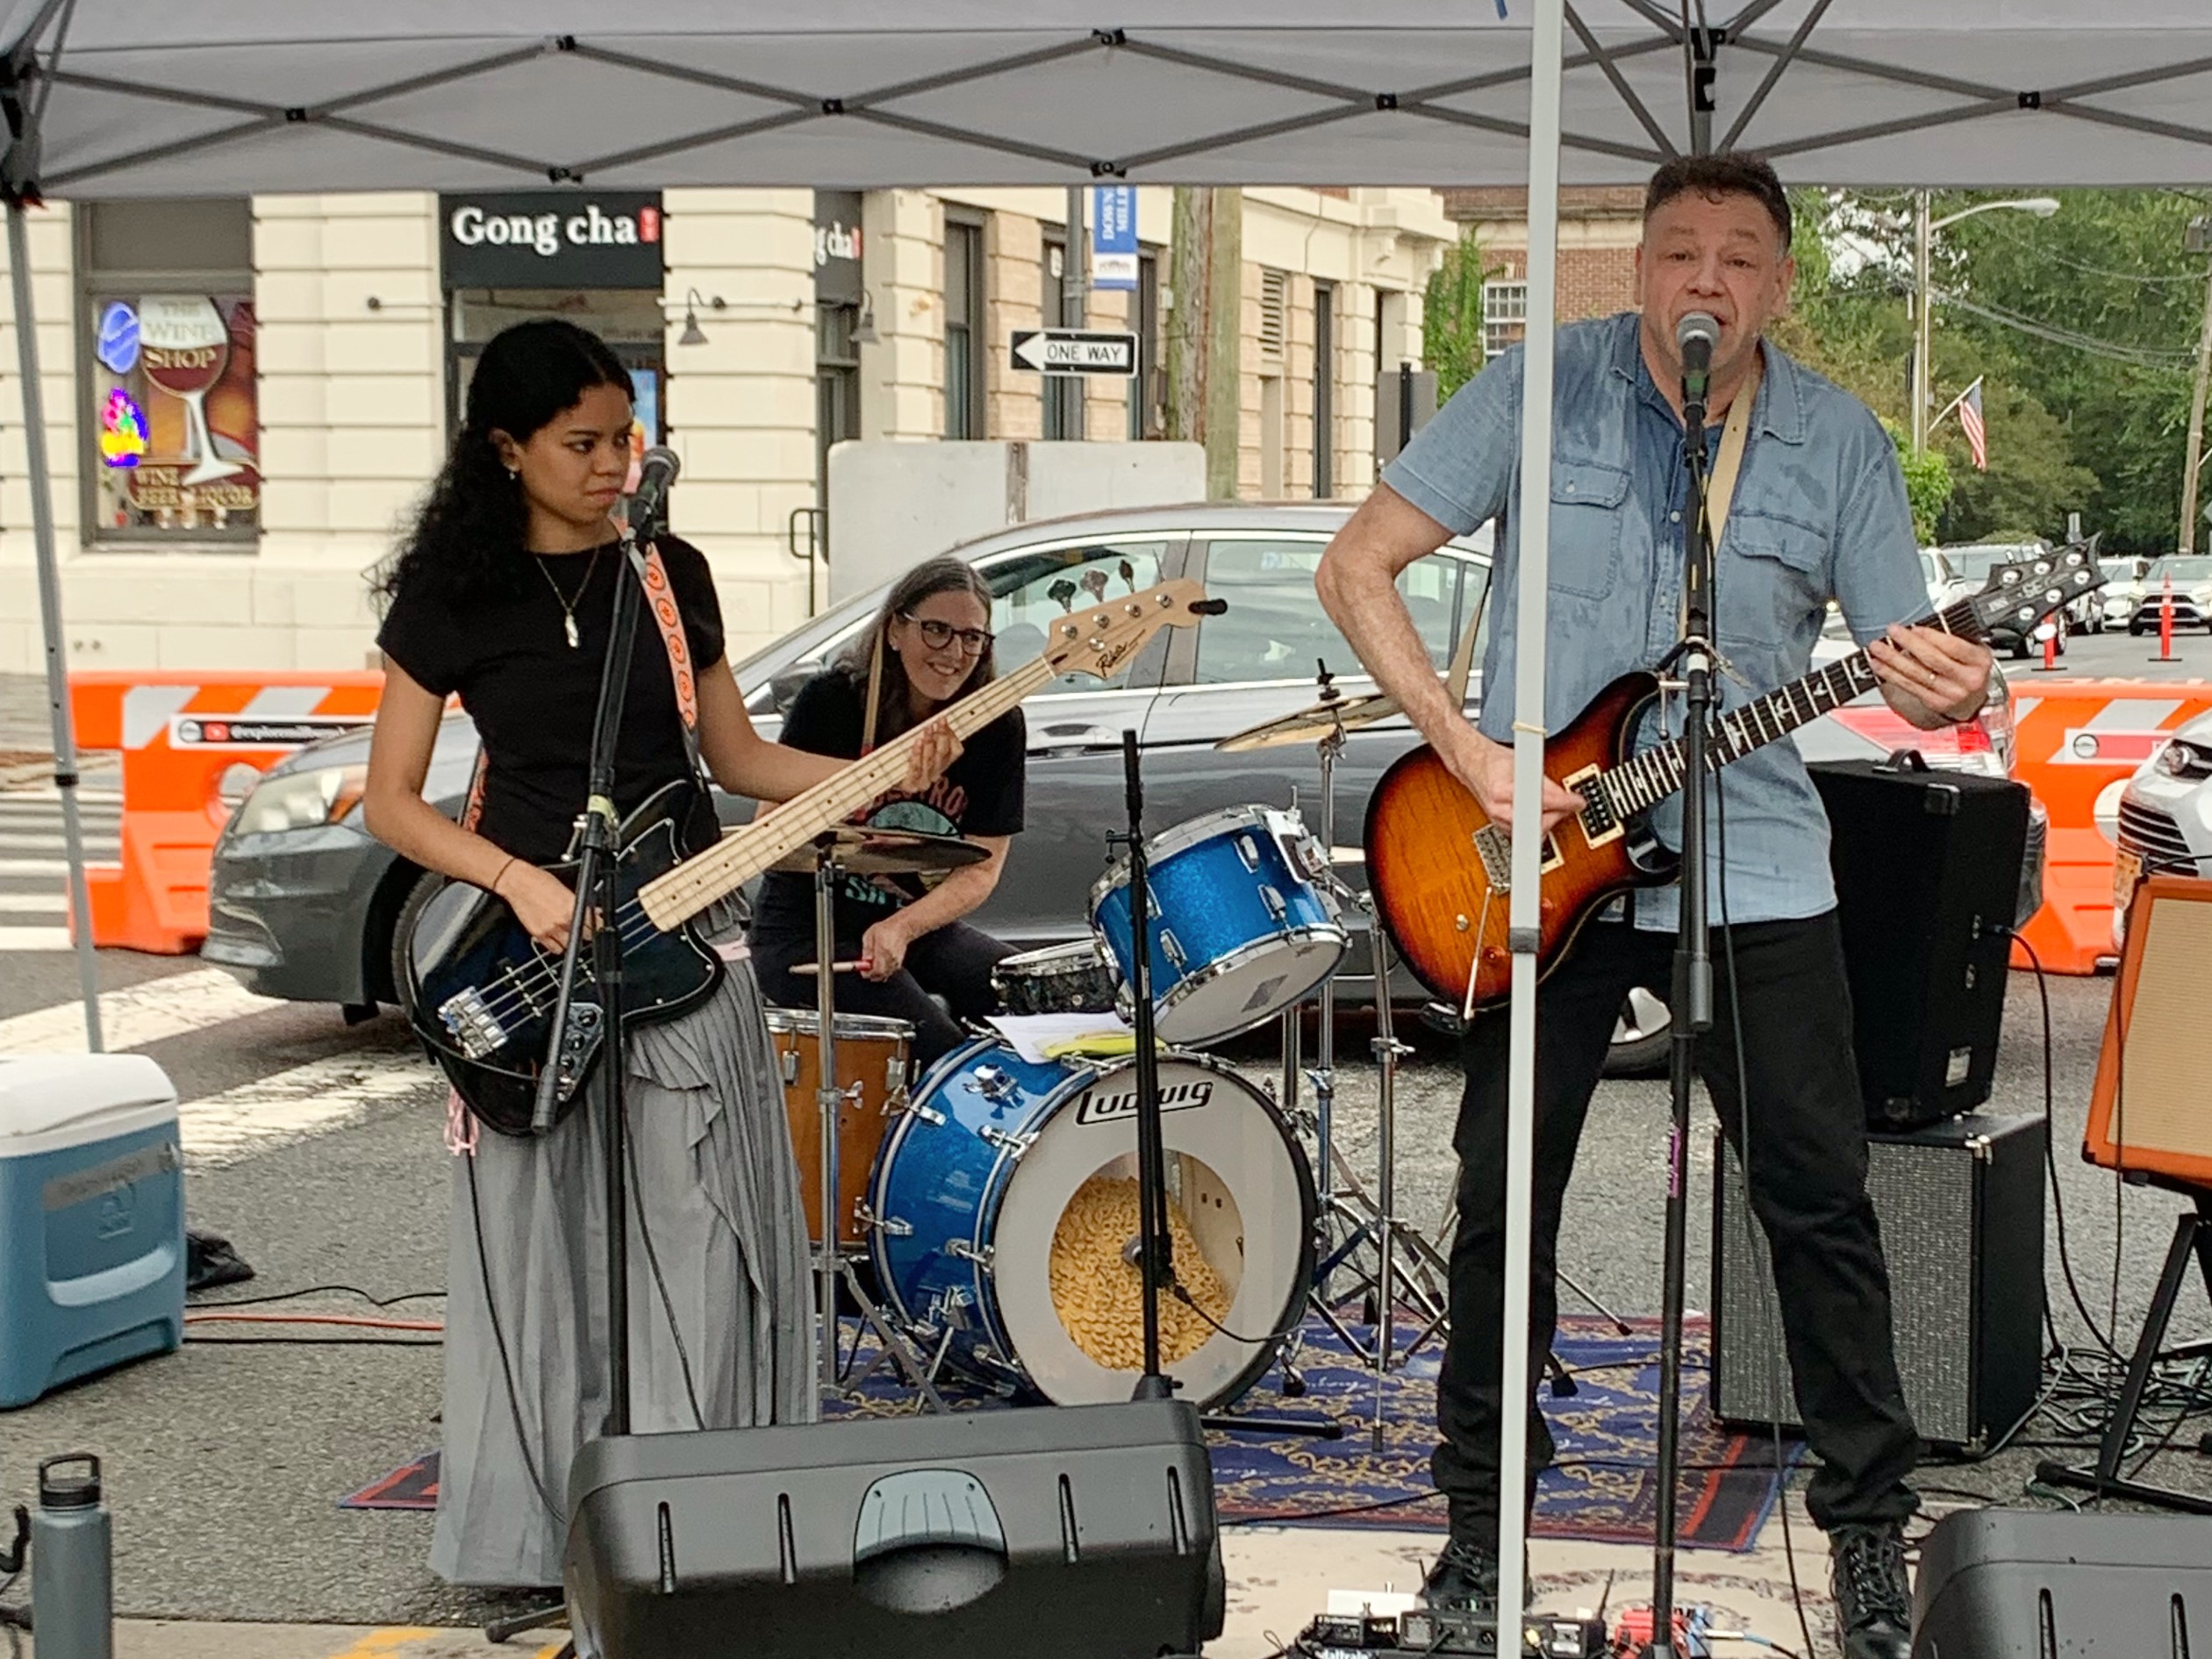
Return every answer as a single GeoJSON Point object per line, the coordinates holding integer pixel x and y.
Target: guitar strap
{"type": "Point", "coordinates": [1719, 484]}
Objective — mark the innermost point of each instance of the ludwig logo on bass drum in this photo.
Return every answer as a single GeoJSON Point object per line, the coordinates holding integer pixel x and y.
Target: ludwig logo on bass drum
{"type": "Point", "coordinates": [1096, 1107]}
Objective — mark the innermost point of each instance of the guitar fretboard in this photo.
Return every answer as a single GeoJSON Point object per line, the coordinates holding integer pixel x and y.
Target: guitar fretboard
{"type": "Point", "coordinates": [1649, 778]}
{"type": "Point", "coordinates": [675, 897]}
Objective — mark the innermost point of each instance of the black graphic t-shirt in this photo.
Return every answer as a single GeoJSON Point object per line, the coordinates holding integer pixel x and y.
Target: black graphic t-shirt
{"type": "Point", "coordinates": [980, 794]}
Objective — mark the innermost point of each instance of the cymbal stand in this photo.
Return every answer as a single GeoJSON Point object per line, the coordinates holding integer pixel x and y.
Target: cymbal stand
{"type": "Point", "coordinates": [834, 1265]}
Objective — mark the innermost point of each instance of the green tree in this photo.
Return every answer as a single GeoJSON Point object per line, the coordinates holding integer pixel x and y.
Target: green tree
{"type": "Point", "coordinates": [2033, 480]}
{"type": "Point", "coordinates": [1927, 482]}
{"type": "Point", "coordinates": [1452, 315]}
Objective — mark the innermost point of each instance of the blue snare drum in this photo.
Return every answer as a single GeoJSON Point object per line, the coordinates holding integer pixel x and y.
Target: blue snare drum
{"type": "Point", "coordinates": [979, 1171]}
{"type": "Point", "coordinates": [1240, 928]}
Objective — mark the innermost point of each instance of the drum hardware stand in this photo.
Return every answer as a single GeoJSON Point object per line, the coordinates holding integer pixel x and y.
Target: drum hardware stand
{"type": "Point", "coordinates": [833, 1264]}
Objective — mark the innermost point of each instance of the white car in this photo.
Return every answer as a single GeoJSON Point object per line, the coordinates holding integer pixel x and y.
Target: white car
{"type": "Point", "coordinates": [2165, 817]}
{"type": "Point", "coordinates": [2190, 580]}
{"type": "Point", "coordinates": [2122, 593]}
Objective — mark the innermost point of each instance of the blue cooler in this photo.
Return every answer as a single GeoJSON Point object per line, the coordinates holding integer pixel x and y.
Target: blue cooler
{"type": "Point", "coordinates": [91, 1219]}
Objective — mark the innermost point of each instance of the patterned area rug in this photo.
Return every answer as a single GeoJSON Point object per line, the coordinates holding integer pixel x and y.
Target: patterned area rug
{"type": "Point", "coordinates": [1603, 1487]}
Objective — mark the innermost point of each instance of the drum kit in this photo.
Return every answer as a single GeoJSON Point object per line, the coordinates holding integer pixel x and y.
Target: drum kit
{"type": "Point", "coordinates": [981, 1216]}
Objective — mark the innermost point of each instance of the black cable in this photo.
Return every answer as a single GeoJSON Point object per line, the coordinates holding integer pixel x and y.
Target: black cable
{"type": "Point", "coordinates": [507, 1364]}
{"type": "Point", "coordinates": [1181, 1293]}
{"type": "Point", "coordinates": [321, 1290]}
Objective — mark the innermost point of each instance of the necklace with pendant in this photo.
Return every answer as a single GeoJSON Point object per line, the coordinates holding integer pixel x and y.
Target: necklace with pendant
{"type": "Point", "coordinates": [568, 606]}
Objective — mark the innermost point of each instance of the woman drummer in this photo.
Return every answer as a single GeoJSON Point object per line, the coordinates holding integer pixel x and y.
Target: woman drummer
{"type": "Point", "coordinates": [929, 647]}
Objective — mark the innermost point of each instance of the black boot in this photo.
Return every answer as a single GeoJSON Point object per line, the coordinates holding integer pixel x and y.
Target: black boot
{"type": "Point", "coordinates": [1873, 1595]}
{"type": "Point", "coordinates": [1464, 1579]}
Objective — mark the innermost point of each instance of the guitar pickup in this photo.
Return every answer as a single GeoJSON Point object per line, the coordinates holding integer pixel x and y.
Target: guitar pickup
{"type": "Point", "coordinates": [1599, 823]}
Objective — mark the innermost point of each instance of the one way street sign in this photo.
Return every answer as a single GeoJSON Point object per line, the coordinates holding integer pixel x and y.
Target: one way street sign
{"type": "Point", "coordinates": [1075, 351]}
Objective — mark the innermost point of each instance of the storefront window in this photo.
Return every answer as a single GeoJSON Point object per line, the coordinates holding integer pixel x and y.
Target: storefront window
{"type": "Point", "coordinates": [172, 423]}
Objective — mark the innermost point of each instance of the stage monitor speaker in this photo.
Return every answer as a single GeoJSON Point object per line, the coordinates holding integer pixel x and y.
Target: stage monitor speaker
{"type": "Point", "coordinates": [2147, 1112]}
{"type": "Point", "coordinates": [1086, 1532]}
{"type": "Point", "coordinates": [1960, 1204]}
{"type": "Point", "coordinates": [1927, 867]}
{"type": "Point", "coordinates": [2016, 1584]}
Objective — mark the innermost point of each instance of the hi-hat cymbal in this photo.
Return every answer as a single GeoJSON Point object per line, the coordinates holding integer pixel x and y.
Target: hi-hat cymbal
{"type": "Point", "coordinates": [1315, 722]}
{"type": "Point", "coordinates": [862, 851]}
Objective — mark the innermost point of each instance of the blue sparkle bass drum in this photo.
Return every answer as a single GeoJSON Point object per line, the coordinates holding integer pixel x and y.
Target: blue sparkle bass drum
{"type": "Point", "coordinates": [1004, 1202]}
{"type": "Point", "coordinates": [1242, 922]}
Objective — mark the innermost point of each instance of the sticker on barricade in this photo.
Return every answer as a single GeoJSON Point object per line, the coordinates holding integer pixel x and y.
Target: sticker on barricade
{"type": "Point", "coordinates": [194, 732]}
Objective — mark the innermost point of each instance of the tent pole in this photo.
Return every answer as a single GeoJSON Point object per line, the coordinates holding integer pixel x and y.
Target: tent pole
{"type": "Point", "coordinates": [1529, 623]}
{"type": "Point", "coordinates": [38, 476]}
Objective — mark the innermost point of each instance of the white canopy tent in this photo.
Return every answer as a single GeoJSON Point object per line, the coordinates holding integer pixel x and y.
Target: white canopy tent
{"type": "Point", "coordinates": [118, 98]}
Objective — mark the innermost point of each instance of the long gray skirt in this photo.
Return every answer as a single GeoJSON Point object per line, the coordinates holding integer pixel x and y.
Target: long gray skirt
{"type": "Point", "coordinates": [715, 1191]}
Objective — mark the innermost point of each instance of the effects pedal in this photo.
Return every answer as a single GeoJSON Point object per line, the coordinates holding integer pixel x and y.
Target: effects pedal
{"type": "Point", "coordinates": [1423, 1630]}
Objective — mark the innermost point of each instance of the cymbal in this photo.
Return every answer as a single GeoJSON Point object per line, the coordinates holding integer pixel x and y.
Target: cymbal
{"type": "Point", "coordinates": [862, 851]}
{"type": "Point", "coordinates": [1315, 722]}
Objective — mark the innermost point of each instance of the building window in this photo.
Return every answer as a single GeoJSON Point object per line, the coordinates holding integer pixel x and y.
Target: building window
{"type": "Point", "coordinates": [964, 328]}
{"type": "Point", "coordinates": [1505, 316]}
{"type": "Point", "coordinates": [1275, 306]}
{"type": "Point", "coordinates": [166, 362]}
{"type": "Point", "coordinates": [1324, 390]}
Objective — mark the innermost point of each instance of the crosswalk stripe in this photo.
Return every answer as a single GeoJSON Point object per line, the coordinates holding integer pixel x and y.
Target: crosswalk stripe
{"type": "Point", "coordinates": [22, 843]}
{"type": "Point", "coordinates": [290, 1106]}
{"type": "Point", "coordinates": [14, 940]}
{"type": "Point", "coordinates": [50, 904]}
{"type": "Point", "coordinates": [135, 1015]}
{"type": "Point", "coordinates": [34, 866]}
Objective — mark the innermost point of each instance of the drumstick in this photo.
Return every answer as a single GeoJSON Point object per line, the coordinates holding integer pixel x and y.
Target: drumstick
{"type": "Point", "coordinates": [815, 969]}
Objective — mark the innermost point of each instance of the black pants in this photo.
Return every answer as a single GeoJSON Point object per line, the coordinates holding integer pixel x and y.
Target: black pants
{"type": "Point", "coordinates": [954, 963]}
{"type": "Point", "coordinates": [1808, 1171]}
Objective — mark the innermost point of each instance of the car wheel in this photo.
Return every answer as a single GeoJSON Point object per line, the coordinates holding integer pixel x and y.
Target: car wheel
{"type": "Point", "coordinates": [426, 886]}
{"type": "Point", "coordinates": [1641, 1036]}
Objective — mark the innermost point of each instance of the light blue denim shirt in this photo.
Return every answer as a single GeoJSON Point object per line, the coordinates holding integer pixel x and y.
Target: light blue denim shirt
{"type": "Point", "coordinates": [1819, 513]}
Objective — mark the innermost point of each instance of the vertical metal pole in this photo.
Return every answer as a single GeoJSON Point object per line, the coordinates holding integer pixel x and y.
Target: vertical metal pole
{"type": "Point", "coordinates": [1922, 334]}
{"type": "Point", "coordinates": [2196, 451]}
{"type": "Point", "coordinates": [828, 1101]}
{"type": "Point", "coordinates": [1075, 287]}
{"type": "Point", "coordinates": [1529, 622]}
{"type": "Point", "coordinates": [1324, 1078]}
{"type": "Point", "coordinates": [39, 477]}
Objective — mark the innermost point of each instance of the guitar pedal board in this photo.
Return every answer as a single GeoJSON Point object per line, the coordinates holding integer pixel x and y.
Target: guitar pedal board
{"type": "Point", "coordinates": [1424, 1630]}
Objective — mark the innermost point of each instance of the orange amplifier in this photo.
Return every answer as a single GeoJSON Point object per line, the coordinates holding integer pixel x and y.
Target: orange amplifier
{"type": "Point", "coordinates": [2151, 1110]}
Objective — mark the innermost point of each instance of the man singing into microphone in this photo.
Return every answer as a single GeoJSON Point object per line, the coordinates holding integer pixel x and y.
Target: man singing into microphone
{"type": "Point", "coordinates": [1817, 511]}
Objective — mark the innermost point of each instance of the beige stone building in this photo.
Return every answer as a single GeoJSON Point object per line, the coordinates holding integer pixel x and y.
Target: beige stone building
{"type": "Point", "coordinates": [244, 398]}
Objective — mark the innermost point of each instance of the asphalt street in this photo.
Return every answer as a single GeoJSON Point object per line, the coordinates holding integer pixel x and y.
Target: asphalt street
{"type": "Point", "coordinates": [316, 1148]}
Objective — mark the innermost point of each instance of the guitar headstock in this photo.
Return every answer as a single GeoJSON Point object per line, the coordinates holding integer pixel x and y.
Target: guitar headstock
{"type": "Point", "coordinates": [2022, 594]}
{"type": "Point", "coordinates": [1103, 638]}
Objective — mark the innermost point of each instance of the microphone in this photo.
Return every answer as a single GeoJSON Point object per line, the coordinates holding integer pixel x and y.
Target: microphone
{"type": "Point", "coordinates": [1694, 337]}
{"type": "Point", "coordinates": [646, 511]}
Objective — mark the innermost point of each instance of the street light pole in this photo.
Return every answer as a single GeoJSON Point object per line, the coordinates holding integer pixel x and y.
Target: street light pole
{"type": "Point", "coordinates": [1923, 299]}
{"type": "Point", "coordinates": [2200, 242]}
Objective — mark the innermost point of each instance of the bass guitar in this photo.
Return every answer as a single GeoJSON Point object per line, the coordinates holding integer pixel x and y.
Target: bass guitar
{"type": "Point", "coordinates": [1441, 871]}
{"type": "Point", "coordinates": [480, 991]}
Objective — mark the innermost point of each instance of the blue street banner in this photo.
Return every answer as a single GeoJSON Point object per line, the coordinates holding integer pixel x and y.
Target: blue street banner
{"type": "Point", "coordinates": [1113, 236]}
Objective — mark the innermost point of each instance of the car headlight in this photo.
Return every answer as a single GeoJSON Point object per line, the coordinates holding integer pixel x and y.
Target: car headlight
{"type": "Point", "coordinates": [2178, 759]}
{"type": "Point", "coordinates": [301, 800]}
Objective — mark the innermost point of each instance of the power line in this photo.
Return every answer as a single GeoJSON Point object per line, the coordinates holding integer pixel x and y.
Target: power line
{"type": "Point", "coordinates": [2115, 351]}
{"type": "Point", "coordinates": [2094, 270]}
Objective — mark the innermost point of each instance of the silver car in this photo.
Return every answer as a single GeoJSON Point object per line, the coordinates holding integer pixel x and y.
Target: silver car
{"type": "Point", "coordinates": [2165, 817]}
{"type": "Point", "coordinates": [2190, 579]}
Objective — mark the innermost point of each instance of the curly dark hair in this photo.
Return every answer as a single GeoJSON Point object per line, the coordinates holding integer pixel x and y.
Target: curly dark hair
{"type": "Point", "coordinates": [944, 574]}
{"type": "Point", "coordinates": [1738, 173]}
{"type": "Point", "coordinates": [467, 539]}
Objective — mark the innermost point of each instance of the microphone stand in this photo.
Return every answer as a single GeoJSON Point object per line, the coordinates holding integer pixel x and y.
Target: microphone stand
{"type": "Point", "coordinates": [1693, 996]}
{"type": "Point", "coordinates": [1155, 1259]}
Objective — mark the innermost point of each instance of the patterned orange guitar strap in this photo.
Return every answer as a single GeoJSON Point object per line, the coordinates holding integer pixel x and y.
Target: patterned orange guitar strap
{"type": "Point", "coordinates": [668, 618]}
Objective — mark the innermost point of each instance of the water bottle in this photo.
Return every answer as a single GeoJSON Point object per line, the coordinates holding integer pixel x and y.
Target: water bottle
{"type": "Point", "coordinates": [72, 1575]}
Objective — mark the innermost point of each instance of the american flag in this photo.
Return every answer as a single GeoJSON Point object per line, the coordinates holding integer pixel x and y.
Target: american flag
{"type": "Point", "coordinates": [1969, 423]}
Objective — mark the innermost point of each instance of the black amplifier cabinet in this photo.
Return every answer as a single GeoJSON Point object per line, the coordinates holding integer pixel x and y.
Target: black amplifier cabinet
{"type": "Point", "coordinates": [2013, 1584]}
{"type": "Point", "coordinates": [1960, 1204]}
{"type": "Point", "coordinates": [1927, 867]}
{"type": "Point", "coordinates": [1087, 1533]}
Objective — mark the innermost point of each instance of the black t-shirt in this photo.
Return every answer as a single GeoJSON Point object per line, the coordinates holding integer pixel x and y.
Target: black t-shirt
{"type": "Point", "coordinates": [980, 794]}
{"type": "Point", "coordinates": [533, 698]}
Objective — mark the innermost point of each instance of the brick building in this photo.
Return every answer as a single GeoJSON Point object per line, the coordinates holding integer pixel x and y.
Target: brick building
{"type": "Point", "coordinates": [1599, 229]}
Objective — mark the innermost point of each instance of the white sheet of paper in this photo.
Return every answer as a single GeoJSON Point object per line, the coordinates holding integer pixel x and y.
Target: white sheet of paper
{"type": "Point", "coordinates": [1031, 1034]}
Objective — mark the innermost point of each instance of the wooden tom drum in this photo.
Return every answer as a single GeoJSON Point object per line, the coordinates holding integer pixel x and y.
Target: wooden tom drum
{"type": "Point", "coordinates": [874, 1065]}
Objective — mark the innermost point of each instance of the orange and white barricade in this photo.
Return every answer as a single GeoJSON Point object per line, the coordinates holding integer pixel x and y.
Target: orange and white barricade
{"type": "Point", "coordinates": [2078, 742]}
{"type": "Point", "coordinates": [179, 734]}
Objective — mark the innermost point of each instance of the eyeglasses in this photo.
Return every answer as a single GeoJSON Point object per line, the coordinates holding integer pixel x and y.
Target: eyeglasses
{"type": "Point", "coordinates": [937, 635]}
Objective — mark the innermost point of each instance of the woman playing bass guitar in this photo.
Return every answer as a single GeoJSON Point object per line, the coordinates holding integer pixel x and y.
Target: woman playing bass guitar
{"type": "Point", "coordinates": [502, 592]}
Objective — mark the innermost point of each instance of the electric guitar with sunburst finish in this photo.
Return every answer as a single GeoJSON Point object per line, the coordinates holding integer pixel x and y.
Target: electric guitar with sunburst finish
{"type": "Point", "coordinates": [1440, 870]}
